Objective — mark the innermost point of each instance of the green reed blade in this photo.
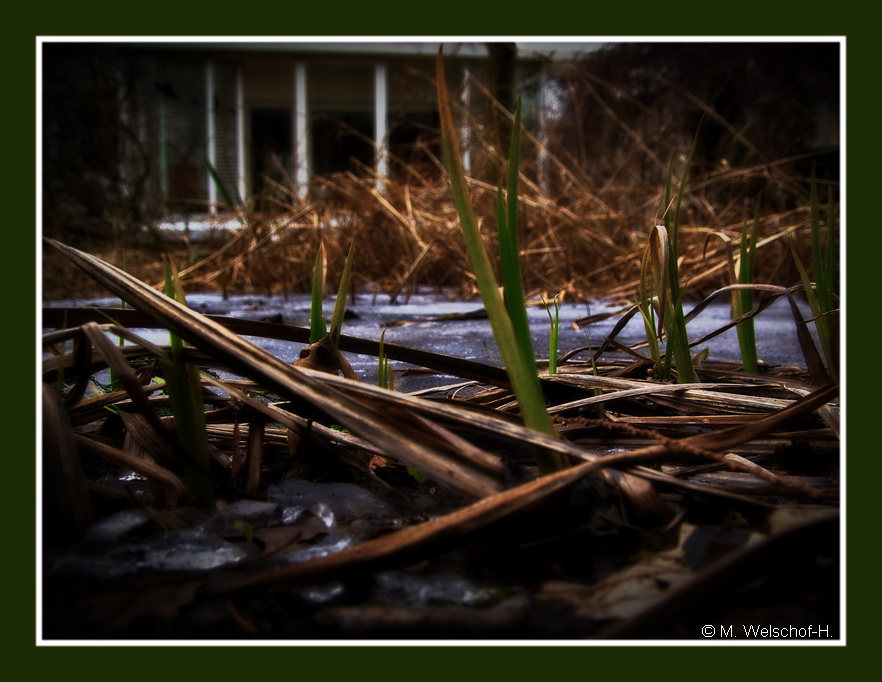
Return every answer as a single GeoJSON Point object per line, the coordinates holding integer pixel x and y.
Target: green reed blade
{"type": "Point", "coordinates": [510, 250]}
{"type": "Point", "coordinates": [385, 378]}
{"type": "Point", "coordinates": [645, 305]}
{"type": "Point", "coordinates": [743, 300]}
{"type": "Point", "coordinates": [817, 250]}
{"type": "Point", "coordinates": [820, 294]}
{"type": "Point", "coordinates": [831, 280]}
{"type": "Point", "coordinates": [317, 325]}
{"type": "Point", "coordinates": [671, 298]}
{"type": "Point", "coordinates": [185, 393]}
{"type": "Point", "coordinates": [228, 198]}
{"type": "Point", "coordinates": [554, 321]}
{"type": "Point", "coordinates": [521, 371]}
{"type": "Point", "coordinates": [342, 292]}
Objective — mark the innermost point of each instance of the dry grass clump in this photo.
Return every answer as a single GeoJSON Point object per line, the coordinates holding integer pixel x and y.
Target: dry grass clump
{"type": "Point", "coordinates": [591, 190]}
{"type": "Point", "coordinates": [408, 237]}
{"type": "Point", "coordinates": [658, 461]}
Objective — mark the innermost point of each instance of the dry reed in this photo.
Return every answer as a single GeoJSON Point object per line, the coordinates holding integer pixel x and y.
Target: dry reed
{"type": "Point", "coordinates": [585, 219]}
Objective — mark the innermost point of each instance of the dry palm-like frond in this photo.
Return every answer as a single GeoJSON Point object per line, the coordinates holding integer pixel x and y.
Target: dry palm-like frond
{"type": "Point", "coordinates": [401, 440]}
{"type": "Point", "coordinates": [467, 445]}
{"type": "Point", "coordinates": [437, 535]}
{"type": "Point", "coordinates": [223, 347]}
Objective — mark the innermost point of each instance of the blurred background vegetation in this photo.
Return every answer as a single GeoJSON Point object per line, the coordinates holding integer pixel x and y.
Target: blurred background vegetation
{"type": "Point", "coordinates": [764, 117]}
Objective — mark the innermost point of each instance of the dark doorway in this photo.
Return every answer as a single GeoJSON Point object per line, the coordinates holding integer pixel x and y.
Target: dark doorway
{"type": "Point", "coordinates": [341, 141]}
{"type": "Point", "coordinates": [271, 146]}
{"type": "Point", "coordinates": [415, 145]}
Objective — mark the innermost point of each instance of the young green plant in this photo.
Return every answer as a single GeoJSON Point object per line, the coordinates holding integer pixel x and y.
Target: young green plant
{"type": "Point", "coordinates": [185, 392]}
{"type": "Point", "coordinates": [385, 378]}
{"type": "Point", "coordinates": [821, 293]}
{"type": "Point", "coordinates": [743, 299]}
{"type": "Point", "coordinates": [507, 320]}
{"type": "Point", "coordinates": [342, 291]}
{"type": "Point", "coordinates": [318, 326]}
{"type": "Point", "coordinates": [554, 323]}
{"type": "Point", "coordinates": [660, 286]}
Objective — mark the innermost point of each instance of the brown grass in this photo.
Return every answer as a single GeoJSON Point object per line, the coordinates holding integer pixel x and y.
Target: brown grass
{"type": "Point", "coordinates": [755, 451]}
{"type": "Point", "coordinates": [408, 237]}
{"type": "Point", "coordinates": [586, 215]}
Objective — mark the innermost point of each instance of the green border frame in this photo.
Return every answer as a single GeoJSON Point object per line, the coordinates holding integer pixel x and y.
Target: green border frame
{"type": "Point", "coordinates": [453, 18]}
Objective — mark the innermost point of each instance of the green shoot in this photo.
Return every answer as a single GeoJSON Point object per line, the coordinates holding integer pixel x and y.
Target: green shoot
{"type": "Point", "coordinates": [234, 202]}
{"type": "Point", "coordinates": [554, 321]}
{"type": "Point", "coordinates": [247, 529]}
{"type": "Point", "coordinates": [185, 392]}
{"type": "Point", "coordinates": [662, 249]}
{"type": "Point", "coordinates": [120, 340]}
{"type": "Point", "coordinates": [340, 303]}
{"type": "Point", "coordinates": [743, 300]}
{"type": "Point", "coordinates": [520, 366]}
{"type": "Point", "coordinates": [509, 246]}
{"type": "Point", "coordinates": [646, 305]}
{"type": "Point", "coordinates": [385, 378]}
{"type": "Point", "coordinates": [318, 328]}
{"type": "Point", "coordinates": [821, 294]}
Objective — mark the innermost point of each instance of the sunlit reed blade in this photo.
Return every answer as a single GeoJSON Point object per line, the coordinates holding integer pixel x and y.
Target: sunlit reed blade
{"type": "Point", "coordinates": [342, 291]}
{"type": "Point", "coordinates": [185, 391]}
{"type": "Point", "coordinates": [742, 299]}
{"type": "Point", "coordinates": [317, 324]}
{"type": "Point", "coordinates": [522, 371]}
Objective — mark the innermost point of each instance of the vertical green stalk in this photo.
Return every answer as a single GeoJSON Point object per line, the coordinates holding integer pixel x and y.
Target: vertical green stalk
{"type": "Point", "coordinates": [821, 294]}
{"type": "Point", "coordinates": [647, 294]}
{"type": "Point", "coordinates": [318, 328]}
{"type": "Point", "coordinates": [743, 300]}
{"type": "Point", "coordinates": [228, 198]}
{"type": "Point", "coordinates": [521, 368]}
{"type": "Point", "coordinates": [554, 322]}
{"type": "Point", "coordinates": [823, 268]}
{"type": "Point", "coordinates": [678, 350]}
{"type": "Point", "coordinates": [342, 291]}
{"type": "Point", "coordinates": [188, 410]}
{"type": "Point", "coordinates": [385, 378]}
{"type": "Point", "coordinates": [114, 383]}
{"type": "Point", "coordinates": [509, 245]}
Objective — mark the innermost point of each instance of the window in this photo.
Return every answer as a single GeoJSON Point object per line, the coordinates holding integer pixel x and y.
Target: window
{"type": "Point", "coordinates": [342, 141]}
{"type": "Point", "coordinates": [271, 146]}
{"type": "Point", "coordinates": [414, 139]}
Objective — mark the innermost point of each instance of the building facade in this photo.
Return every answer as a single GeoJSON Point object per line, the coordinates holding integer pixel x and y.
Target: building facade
{"type": "Point", "coordinates": [207, 124]}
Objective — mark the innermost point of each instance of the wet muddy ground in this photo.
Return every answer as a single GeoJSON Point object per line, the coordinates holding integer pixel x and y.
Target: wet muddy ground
{"type": "Point", "coordinates": [144, 572]}
{"type": "Point", "coordinates": [433, 322]}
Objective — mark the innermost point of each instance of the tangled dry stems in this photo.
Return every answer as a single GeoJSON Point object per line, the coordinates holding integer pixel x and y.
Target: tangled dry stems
{"type": "Point", "coordinates": [408, 237]}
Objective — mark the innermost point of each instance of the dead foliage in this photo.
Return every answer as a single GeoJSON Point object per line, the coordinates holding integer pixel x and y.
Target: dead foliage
{"type": "Point", "coordinates": [678, 499]}
{"type": "Point", "coordinates": [590, 188]}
